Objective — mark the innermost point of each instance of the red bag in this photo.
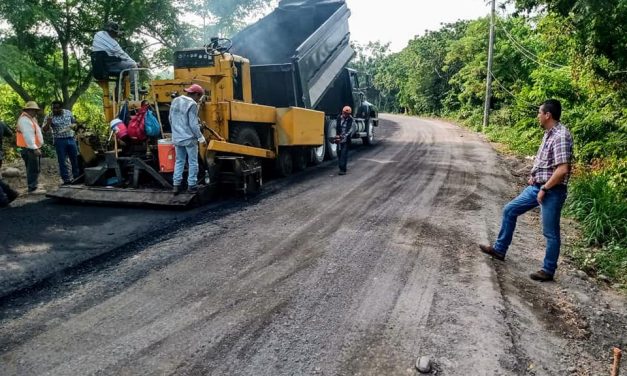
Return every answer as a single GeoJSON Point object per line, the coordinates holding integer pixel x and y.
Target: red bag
{"type": "Point", "coordinates": [136, 127]}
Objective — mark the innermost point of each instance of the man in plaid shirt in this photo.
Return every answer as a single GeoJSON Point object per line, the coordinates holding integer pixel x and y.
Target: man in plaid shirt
{"type": "Point", "coordinates": [547, 189]}
{"type": "Point", "coordinates": [61, 121]}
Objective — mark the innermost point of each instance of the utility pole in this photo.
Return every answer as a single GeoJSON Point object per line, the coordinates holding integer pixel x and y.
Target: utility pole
{"type": "Point", "coordinates": [488, 87]}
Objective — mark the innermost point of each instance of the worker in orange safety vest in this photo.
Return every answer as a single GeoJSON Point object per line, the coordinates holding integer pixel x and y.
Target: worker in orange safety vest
{"type": "Point", "coordinates": [30, 140]}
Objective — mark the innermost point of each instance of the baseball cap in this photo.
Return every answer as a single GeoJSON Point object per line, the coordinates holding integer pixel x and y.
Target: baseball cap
{"type": "Point", "coordinates": [195, 88]}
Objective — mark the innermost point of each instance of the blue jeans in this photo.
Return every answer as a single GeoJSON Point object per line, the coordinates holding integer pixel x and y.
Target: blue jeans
{"type": "Point", "coordinates": [66, 148]}
{"type": "Point", "coordinates": [551, 210]}
{"type": "Point", "coordinates": [189, 152]}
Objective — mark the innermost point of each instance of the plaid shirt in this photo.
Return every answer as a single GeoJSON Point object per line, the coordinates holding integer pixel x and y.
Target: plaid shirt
{"type": "Point", "coordinates": [556, 149]}
{"type": "Point", "coordinates": [61, 124]}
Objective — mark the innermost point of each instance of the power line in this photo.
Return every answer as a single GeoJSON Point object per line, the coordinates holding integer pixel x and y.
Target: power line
{"type": "Point", "coordinates": [532, 56]}
{"type": "Point", "coordinates": [510, 93]}
{"type": "Point", "coordinates": [528, 54]}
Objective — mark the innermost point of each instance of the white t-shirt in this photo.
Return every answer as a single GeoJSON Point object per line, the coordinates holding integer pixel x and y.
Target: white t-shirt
{"type": "Point", "coordinates": [104, 42]}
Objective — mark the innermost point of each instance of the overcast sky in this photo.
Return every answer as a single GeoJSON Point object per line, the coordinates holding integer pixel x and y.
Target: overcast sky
{"type": "Point", "coordinates": [398, 21]}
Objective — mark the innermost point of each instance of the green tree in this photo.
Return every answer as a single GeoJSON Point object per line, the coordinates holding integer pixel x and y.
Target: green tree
{"type": "Point", "coordinates": [45, 49]}
{"type": "Point", "coordinates": [598, 26]}
{"type": "Point", "coordinates": [222, 18]}
{"type": "Point", "coordinates": [368, 60]}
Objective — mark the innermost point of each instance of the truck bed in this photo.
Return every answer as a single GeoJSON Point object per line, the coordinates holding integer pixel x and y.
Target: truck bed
{"type": "Point", "coordinates": [296, 52]}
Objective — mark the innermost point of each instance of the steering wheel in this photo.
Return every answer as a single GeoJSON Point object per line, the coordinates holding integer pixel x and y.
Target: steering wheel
{"type": "Point", "coordinates": [218, 46]}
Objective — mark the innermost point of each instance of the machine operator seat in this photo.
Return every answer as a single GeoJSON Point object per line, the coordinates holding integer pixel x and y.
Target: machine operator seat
{"type": "Point", "coordinates": [100, 70]}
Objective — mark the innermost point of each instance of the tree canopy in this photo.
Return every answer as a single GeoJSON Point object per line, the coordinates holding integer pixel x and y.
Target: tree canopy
{"type": "Point", "coordinates": [45, 50]}
{"type": "Point", "coordinates": [223, 17]}
{"type": "Point", "coordinates": [599, 28]}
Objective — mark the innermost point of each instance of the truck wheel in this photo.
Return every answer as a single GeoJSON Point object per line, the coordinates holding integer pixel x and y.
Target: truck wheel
{"type": "Point", "coordinates": [369, 140]}
{"type": "Point", "coordinates": [317, 154]}
{"type": "Point", "coordinates": [299, 158]}
{"type": "Point", "coordinates": [329, 133]}
{"type": "Point", "coordinates": [284, 163]}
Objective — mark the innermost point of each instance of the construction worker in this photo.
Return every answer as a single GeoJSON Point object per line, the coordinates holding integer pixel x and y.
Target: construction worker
{"type": "Point", "coordinates": [186, 135]}
{"type": "Point", "coordinates": [117, 60]}
{"type": "Point", "coordinates": [344, 129]}
{"type": "Point", "coordinates": [30, 140]}
{"type": "Point", "coordinates": [546, 188]}
{"type": "Point", "coordinates": [62, 123]}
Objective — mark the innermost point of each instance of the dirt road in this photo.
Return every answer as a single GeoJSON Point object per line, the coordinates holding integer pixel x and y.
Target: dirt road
{"type": "Point", "coordinates": [333, 275]}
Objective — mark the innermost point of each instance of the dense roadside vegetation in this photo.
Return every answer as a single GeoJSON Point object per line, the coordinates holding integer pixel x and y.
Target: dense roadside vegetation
{"type": "Point", "coordinates": [569, 50]}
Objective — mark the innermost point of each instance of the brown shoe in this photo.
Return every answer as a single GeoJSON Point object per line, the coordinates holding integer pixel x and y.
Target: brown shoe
{"type": "Point", "coordinates": [541, 276]}
{"type": "Point", "coordinates": [489, 250]}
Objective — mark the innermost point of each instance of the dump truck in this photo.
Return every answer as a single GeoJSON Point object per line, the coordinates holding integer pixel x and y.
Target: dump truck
{"type": "Point", "coordinates": [273, 92]}
{"type": "Point", "coordinates": [299, 55]}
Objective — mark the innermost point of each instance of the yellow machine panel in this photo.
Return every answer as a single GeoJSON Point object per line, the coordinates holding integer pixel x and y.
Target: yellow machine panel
{"type": "Point", "coordinates": [162, 90]}
{"type": "Point", "coordinates": [300, 126]}
{"type": "Point", "coordinates": [254, 113]}
{"type": "Point", "coordinates": [227, 147]}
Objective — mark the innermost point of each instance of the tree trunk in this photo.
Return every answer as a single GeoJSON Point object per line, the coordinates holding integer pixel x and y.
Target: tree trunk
{"type": "Point", "coordinates": [65, 41]}
{"type": "Point", "coordinates": [15, 86]}
{"type": "Point", "coordinates": [80, 89]}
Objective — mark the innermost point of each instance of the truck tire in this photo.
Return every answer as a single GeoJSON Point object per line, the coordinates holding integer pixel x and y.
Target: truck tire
{"type": "Point", "coordinates": [317, 154]}
{"type": "Point", "coordinates": [299, 159]}
{"type": "Point", "coordinates": [329, 133]}
{"type": "Point", "coordinates": [369, 140]}
{"type": "Point", "coordinates": [284, 163]}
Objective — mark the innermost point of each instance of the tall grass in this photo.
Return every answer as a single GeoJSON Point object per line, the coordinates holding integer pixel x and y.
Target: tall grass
{"type": "Point", "coordinates": [598, 200]}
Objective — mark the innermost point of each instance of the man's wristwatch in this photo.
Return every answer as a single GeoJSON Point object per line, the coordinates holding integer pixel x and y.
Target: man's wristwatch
{"type": "Point", "coordinates": [543, 188]}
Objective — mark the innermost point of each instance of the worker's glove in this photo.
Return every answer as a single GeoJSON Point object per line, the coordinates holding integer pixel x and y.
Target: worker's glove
{"type": "Point", "coordinates": [201, 140]}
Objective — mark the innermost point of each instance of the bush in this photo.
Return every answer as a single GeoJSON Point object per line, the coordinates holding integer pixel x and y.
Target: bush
{"type": "Point", "coordinates": [521, 136]}
{"type": "Point", "coordinates": [598, 200]}
{"type": "Point", "coordinates": [610, 260]}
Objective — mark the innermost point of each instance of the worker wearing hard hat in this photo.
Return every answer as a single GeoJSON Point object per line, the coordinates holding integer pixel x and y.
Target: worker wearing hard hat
{"type": "Point", "coordinates": [186, 135]}
{"type": "Point", "coordinates": [30, 140]}
{"type": "Point", "coordinates": [344, 129]}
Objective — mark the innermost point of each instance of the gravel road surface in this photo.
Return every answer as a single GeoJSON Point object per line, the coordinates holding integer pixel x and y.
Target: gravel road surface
{"type": "Point", "coordinates": [324, 274]}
